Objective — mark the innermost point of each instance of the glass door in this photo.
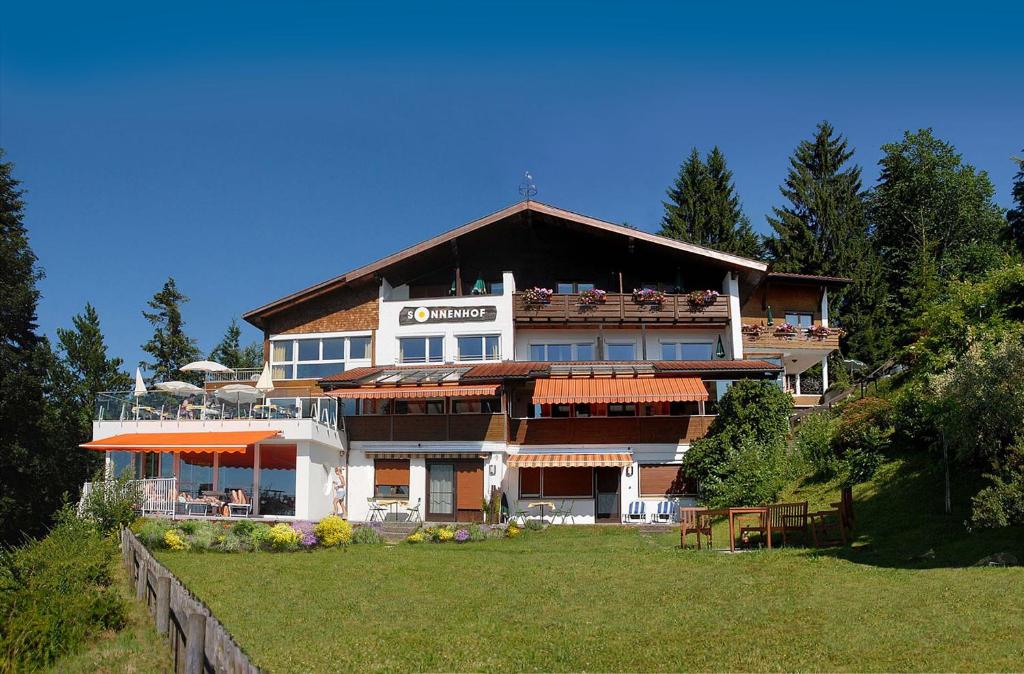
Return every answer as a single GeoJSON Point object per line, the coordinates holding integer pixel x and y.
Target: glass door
{"type": "Point", "coordinates": [606, 490]}
{"type": "Point", "coordinates": [441, 491]}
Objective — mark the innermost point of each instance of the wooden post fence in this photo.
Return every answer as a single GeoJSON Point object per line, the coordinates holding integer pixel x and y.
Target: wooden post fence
{"type": "Point", "coordinates": [199, 643]}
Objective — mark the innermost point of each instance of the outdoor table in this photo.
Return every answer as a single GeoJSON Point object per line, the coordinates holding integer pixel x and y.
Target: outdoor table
{"type": "Point", "coordinates": [393, 504]}
{"type": "Point", "coordinates": [541, 505]}
{"type": "Point", "coordinates": [766, 522]}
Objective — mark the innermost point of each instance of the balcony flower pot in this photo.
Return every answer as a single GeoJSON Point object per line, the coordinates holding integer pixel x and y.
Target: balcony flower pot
{"type": "Point", "coordinates": [537, 296]}
{"type": "Point", "coordinates": [821, 332]}
{"type": "Point", "coordinates": [592, 297]}
{"type": "Point", "coordinates": [754, 331]}
{"type": "Point", "coordinates": [699, 300]}
{"type": "Point", "coordinates": [786, 330]}
{"type": "Point", "coordinates": [648, 296]}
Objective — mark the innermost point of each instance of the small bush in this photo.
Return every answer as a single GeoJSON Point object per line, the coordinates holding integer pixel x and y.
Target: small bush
{"type": "Point", "coordinates": [189, 527]}
{"type": "Point", "coordinates": [477, 533]}
{"type": "Point", "coordinates": [1001, 504]}
{"type": "Point", "coordinates": [258, 537]}
{"type": "Point", "coordinates": [512, 531]}
{"type": "Point", "coordinates": [416, 537]}
{"type": "Point", "coordinates": [111, 504]}
{"type": "Point", "coordinates": [534, 525]}
{"type": "Point", "coordinates": [283, 537]}
{"type": "Point", "coordinates": [244, 528]}
{"type": "Point", "coordinates": [174, 540]}
{"type": "Point", "coordinates": [813, 443]}
{"type": "Point", "coordinates": [231, 542]}
{"type": "Point", "coordinates": [151, 532]}
{"type": "Point", "coordinates": [203, 536]}
{"type": "Point", "coordinates": [445, 534]}
{"type": "Point", "coordinates": [366, 535]}
{"type": "Point", "coordinates": [333, 531]}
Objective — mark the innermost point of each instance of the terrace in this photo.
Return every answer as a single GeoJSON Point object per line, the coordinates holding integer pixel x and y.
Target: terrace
{"type": "Point", "coordinates": [217, 405]}
{"type": "Point", "coordinates": [618, 308]}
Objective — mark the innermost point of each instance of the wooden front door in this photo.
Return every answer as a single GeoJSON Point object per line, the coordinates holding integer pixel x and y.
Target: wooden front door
{"type": "Point", "coordinates": [606, 494]}
{"type": "Point", "coordinates": [455, 490]}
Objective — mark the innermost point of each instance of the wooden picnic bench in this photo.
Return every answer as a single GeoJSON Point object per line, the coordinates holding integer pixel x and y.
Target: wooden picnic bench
{"type": "Point", "coordinates": [787, 518]}
{"type": "Point", "coordinates": [694, 521]}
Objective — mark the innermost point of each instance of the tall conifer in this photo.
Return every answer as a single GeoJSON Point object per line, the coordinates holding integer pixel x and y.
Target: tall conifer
{"type": "Point", "coordinates": [169, 346]}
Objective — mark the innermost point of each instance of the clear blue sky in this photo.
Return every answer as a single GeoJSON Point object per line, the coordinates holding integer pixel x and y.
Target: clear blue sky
{"type": "Point", "coordinates": [251, 149]}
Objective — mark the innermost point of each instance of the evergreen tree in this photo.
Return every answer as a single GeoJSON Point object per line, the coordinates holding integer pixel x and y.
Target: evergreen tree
{"type": "Point", "coordinates": [934, 220]}
{"type": "Point", "coordinates": [1015, 216]}
{"type": "Point", "coordinates": [170, 347]}
{"type": "Point", "coordinates": [230, 352]}
{"type": "Point", "coordinates": [23, 361]}
{"type": "Point", "coordinates": [703, 207]}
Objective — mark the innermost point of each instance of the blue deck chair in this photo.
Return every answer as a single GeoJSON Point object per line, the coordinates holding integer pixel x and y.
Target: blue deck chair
{"type": "Point", "coordinates": [637, 512]}
{"type": "Point", "coordinates": [666, 512]}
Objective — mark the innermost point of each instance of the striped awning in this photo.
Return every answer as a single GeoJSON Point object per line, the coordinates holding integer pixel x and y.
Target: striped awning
{"type": "Point", "coordinates": [426, 455]}
{"type": "Point", "coordinates": [207, 441]}
{"type": "Point", "coordinates": [559, 390]}
{"type": "Point", "coordinates": [609, 459]}
{"type": "Point", "coordinates": [413, 392]}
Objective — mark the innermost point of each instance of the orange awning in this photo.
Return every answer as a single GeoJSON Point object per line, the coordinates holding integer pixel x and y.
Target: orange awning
{"type": "Point", "coordinates": [209, 441]}
{"type": "Point", "coordinates": [612, 459]}
{"type": "Point", "coordinates": [557, 390]}
{"type": "Point", "coordinates": [412, 392]}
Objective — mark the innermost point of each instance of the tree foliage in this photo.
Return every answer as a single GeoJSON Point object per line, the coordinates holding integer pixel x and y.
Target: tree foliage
{"type": "Point", "coordinates": [1015, 216]}
{"type": "Point", "coordinates": [703, 207]}
{"type": "Point", "coordinates": [229, 351]}
{"type": "Point", "coordinates": [743, 459]}
{"type": "Point", "coordinates": [169, 346]}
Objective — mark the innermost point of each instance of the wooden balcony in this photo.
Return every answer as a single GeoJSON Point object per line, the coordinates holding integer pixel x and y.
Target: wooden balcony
{"type": "Point", "coordinates": [769, 340]}
{"type": "Point", "coordinates": [618, 309]}
{"type": "Point", "coordinates": [427, 427]}
{"type": "Point", "coordinates": [607, 430]}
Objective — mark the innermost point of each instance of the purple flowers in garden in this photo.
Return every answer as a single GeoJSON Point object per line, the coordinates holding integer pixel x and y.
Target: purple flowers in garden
{"type": "Point", "coordinates": [462, 535]}
{"type": "Point", "coordinates": [305, 529]}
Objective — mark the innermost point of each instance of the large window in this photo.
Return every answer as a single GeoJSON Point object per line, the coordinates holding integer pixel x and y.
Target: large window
{"type": "Point", "coordinates": [277, 480]}
{"type": "Point", "coordinates": [800, 319]}
{"type": "Point", "coordinates": [390, 478]}
{"type": "Point", "coordinates": [562, 352]}
{"type": "Point", "coordinates": [420, 349]}
{"type": "Point", "coordinates": [620, 351]}
{"type": "Point", "coordinates": [665, 480]}
{"type": "Point", "coordinates": [479, 347]}
{"type": "Point", "coordinates": [567, 288]}
{"type": "Point", "coordinates": [313, 358]}
{"type": "Point", "coordinates": [556, 482]}
{"type": "Point", "coordinates": [687, 350]}
{"type": "Point", "coordinates": [476, 405]}
{"type": "Point", "coordinates": [419, 406]}
{"type": "Point", "coordinates": [195, 473]}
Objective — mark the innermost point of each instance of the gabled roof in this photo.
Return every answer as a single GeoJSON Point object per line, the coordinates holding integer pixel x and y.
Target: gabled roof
{"type": "Point", "coordinates": [793, 276]}
{"type": "Point", "coordinates": [528, 205]}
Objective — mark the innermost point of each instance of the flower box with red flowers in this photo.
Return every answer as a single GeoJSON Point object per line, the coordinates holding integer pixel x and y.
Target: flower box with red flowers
{"type": "Point", "coordinates": [701, 299]}
{"type": "Point", "coordinates": [538, 295]}
{"type": "Point", "coordinates": [594, 296]}
{"type": "Point", "coordinates": [648, 296]}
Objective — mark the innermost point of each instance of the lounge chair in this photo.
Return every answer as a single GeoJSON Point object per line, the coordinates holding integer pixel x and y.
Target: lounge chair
{"type": "Point", "coordinates": [666, 511]}
{"type": "Point", "coordinates": [240, 506]}
{"type": "Point", "coordinates": [637, 512]}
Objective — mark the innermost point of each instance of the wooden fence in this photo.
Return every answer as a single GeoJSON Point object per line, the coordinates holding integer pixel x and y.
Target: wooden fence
{"type": "Point", "coordinates": [199, 643]}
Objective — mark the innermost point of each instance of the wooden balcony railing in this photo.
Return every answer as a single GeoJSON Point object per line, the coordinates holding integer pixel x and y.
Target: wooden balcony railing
{"type": "Point", "coordinates": [427, 427]}
{"type": "Point", "coordinates": [770, 339]}
{"type": "Point", "coordinates": [618, 308]}
{"type": "Point", "coordinates": [604, 430]}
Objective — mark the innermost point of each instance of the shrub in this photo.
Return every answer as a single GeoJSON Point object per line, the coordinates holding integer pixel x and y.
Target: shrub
{"type": "Point", "coordinates": [1001, 504]}
{"type": "Point", "coordinates": [151, 532]}
{"type": "Point", "coordinates": [366, 535]}
{"type": "Point", "coordinates": [57, 593]}
{"type": "Point", "coordinates": [534, 525]}
{"type": "Point", "coordinates": [477, 532]}
{"type": "Point", "coordinates": [333, 531]}
{"type": "Point", "coordinates": [445, 534]}
{"type": "Point", "coordinates": [111, 504]}
{"type": "Point", "coordinates": [188, 527]}
{"type": "Point", "coordinates": [416, 537]}
{"type": "Point", "coordinates": [857, 420]}
{"type": "Point", "coordinates": [259, 536]}
{"type": "Point", "coordinates": [283, 537]}
{"type": "Point", "coordinates": [231, 542]}
{"type": "Point", "coordinates": [202, 536]}
{"type": "Point", "coordinates": [813, 443]}
{"type": "Point", "coordinates": [173, 540]}
{"type": "Point", "coordinates": [462, 535]}
{"type": "Point", "coordinates": [307, 537]}
{"type": "Point", "coordinates": [512, 531]}
{"type": "Point", "coordinates": [244, 528]}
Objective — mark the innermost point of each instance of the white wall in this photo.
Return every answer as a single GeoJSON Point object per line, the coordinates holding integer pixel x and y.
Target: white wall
{"type": "Point", "coordinates": [393, 300]}
{"type": "Point", "coordinates": [733, 345]}
{"type": "Point", "coordinates": [314, 464]}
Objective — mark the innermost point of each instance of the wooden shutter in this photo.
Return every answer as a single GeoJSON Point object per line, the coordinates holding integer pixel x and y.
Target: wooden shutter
{"type": "Point", "coordinates": [665, 480]}
{"type": "Point", "coordinates": [469, 485]}
{"type": "Point", "coordinates": [563, 481]}
{"type": "Point", "coordinates": [391, 472]}
{"type": "Point", "coordinates": [529, 481]}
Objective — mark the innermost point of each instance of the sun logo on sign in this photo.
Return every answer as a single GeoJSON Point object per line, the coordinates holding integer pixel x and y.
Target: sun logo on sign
{"type": "Point", "coordinates": [421, 315]}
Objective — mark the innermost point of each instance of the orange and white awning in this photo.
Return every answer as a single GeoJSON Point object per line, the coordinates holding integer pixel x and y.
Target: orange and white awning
{"type": "Point", "coordinates": [560, 390]}
{"type": "Point", "coordinates": [605, 459]}
{"type": "Point", "coordinates": [414, 392]}
{"type": "Point", "coordinates": [209, 441]}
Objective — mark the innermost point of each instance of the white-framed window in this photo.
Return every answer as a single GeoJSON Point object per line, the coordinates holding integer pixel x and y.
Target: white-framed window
{"type": "Point", "coordinates": [478, 347]}
{"type": "Point", "coordinates": [620, 351]}
{"type": "Point", "coordinates": [800, 319]}
{"type": "Point", "coordinates": [304, 357]}
{"type": "Point", "coordinates": [555, 352]}
{"type": "Point", "coordinates": [568, 288]}
{"type": "Point", "coordinates": [687, 350]}
{"type": "Point", "coordinates": [421, 349]}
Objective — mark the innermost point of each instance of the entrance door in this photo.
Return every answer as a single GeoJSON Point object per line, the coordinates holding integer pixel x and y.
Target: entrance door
{"type": "Point", "coordinates": [441, 491]}
{"type": "Point", "coordinates": [606, 491]}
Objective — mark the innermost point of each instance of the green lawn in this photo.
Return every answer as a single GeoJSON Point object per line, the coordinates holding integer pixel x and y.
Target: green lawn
{"type": "Point", "coordinates": [612, 599]}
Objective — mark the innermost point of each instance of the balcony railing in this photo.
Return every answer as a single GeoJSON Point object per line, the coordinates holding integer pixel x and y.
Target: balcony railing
{"type": "Point", "coordinates": [426, 427]}
{"type": "Point", "coordinates": [603, 430]}
{"type": "Point", "coordinates": [209, 406]}
{"type": "Point", "coordinates": [769, 337]}
{"type": "Point", "coordinates": [153, 496]}
{"type": "Point", "coordinates": [242, 374]}
{"type": "Point", "coordinates": [619, 308]}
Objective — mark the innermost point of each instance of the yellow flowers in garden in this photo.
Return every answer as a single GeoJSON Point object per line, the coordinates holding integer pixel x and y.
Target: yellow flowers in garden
{"type": "Point", "coordinates": [174, 541]}
{"type": "Point", "coordinates": [333, 531]}
{"type": "Point", "coordinates": [283, 537]}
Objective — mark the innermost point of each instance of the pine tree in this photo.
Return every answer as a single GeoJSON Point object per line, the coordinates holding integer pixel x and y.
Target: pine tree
{"type": "Point", "coordinates": [703, 207]}
{"type": "Point", "coordinates": [23, 362]}
{"type": "Point", "coordinates": [170, 347]}
{"type": "Point", "coordinates": [1015, 216]}
{"type": "Point", "coordinates": [230, 352]}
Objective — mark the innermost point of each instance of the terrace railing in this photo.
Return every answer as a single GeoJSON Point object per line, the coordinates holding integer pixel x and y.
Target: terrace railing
{"type": "Point", "coordinates": [619, 308]}
{"type": "Point", "coordinates": [280, 403]}
{"type": "Point", "coordinates": [242, 374]}
{"type": "Point", "coordinates": [152, 496]}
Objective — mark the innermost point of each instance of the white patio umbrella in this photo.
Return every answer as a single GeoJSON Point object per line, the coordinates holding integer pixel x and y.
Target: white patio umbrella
{"type": "Point", "coordinates": [140, 390]}
{"type": "Point", "coordinates": [178, 388]}
{"type": "Point", "coordinates": [238, 394]}
{"type": "Point", "coordinates": [265, 384]}
{"type": "Point", "coordinates": [205, 366]}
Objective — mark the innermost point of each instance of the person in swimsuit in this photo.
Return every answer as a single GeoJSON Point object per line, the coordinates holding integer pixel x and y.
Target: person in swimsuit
{"type": "Point", "coordinates": [338, 485]}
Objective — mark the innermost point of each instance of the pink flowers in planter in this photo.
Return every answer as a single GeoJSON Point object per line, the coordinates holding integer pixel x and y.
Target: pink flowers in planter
{"type": "Point", "coordinates": [786, 329]}
{"type": "Point", "coordinates": [701, 299]}
{"type": "Point", "coordinates": [594, 296]}
{"type": "Point", "coordinates": [822, 331]}
{"type": "Point", "coordinates": [755, 330]}
{"type": "Point", "coordinates": [648, 296]}
{"type": "Point", "coordinates": [538, 295]}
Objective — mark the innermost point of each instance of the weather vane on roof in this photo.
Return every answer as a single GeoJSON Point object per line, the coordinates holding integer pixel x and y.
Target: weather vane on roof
{"type": "Point", "coordinates": [527, 188]}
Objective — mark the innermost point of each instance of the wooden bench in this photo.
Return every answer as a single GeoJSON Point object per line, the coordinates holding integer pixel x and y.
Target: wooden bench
{"type": "Point", "coordinates": [695, 521]}
{"type": "Point", "coordinates": [786, 518]}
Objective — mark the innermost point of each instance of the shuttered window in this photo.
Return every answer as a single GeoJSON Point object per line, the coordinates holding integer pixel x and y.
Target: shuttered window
{"type": "Point", "coordinates": [556, 482]}
{"type": "Point", "coordinates": [529, 481]}
{"type": "Point", "coordinates": [391, 477]}
{"type": "Point", "coordinates": [469, 484]}
{"type": "Point", "coordinates": [665, 480]}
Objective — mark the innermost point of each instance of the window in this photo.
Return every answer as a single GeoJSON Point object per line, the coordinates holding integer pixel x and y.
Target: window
{"type": "Point", "coordinates": [560, 482]}
{"type": "Point", "coordinates": [419, 406]}
{"type": "Point", "coordinates": [374, 406]}
{"type": "Point", "coordinates": [801, 320]}
{"type": "Point", "coordinates": [622, 351]}
{"type": "Point", "coordinates": [680, 408]}
{"type": "Point", "coordinates": [479, 347]}
{"type": "Point", "coordinates": [420, 350]}
{"type": "Point", "coordinates": [665, 480]}
{"type": "Point", "coordinates": [476, 405]}
{"type": "Point", "coordinates": [622, 409]}
{"type": "Point", "coordinates": [390, 477]}
{"type": "Point", "coordinates": [687, 351]}
{"type": "Point", "coordinates": [561, 411]}
{"type": "Point", "coordinates": [562, 352]}
{"type": "Point", "coordinates": [314, 358]}
{"type": "Point", "coordinates": [565, 288]}
{"type": "Point", "coordinates": [496, 288]}
{"type": "Point", "coordinates": [716, 389]}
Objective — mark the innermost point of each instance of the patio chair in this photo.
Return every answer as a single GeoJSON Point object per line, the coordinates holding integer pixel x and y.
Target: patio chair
{"type": "Point", "coordinates": [827, 528]}
{"type": "Point", "coordinates": [694, 521]}
{"type": "Point", "coordinates": [519, 513]}
{"type": "Point", "coordinates": [665, 512]}
{"type": "Point", "coordinates": [786, 519]}
{"type": "Point", "coordinates": [564, 510]}
{"type": "Point", "coordinates": [413, 512]}
{"type": "Point", "coordinates": [239, 506]}
{"type": "Point", "coordinates": [377, 511]}
{"type": "Point", "coordinates": [637, 512]}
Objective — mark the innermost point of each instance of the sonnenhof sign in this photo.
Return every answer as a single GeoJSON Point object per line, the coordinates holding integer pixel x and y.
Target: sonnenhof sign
{"type": "Point", "coordinates": [420, 315]}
